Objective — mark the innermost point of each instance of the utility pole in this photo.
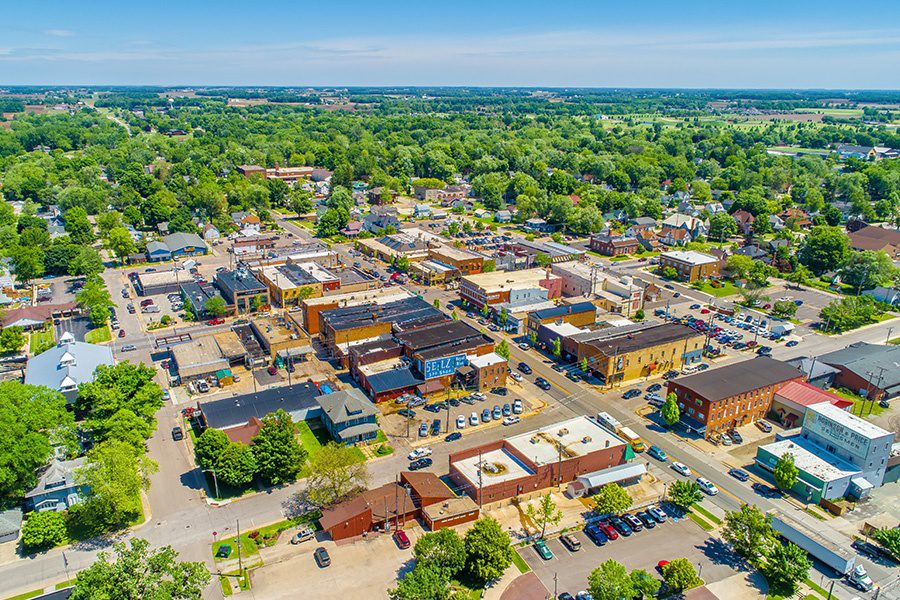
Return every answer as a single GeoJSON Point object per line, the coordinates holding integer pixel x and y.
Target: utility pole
{"type": "Point", "coordinates": [240, 561]}
{"type": "Point", "coordinates": [888, 340]}
{"type": "Point", "coordinates": [555, 584]}
{"type": "Point", "coordinates": [479, 480]}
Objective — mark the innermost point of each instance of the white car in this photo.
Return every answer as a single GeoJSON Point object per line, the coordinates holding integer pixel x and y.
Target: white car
{"type": "Point", "coordinates": [478, 396]}
{"type": "Point", "coordinates": [474, 419]}
{"type": "Point", "coordinates": [419, 453]}
{"type": "Point", "coordinates": [707, 486]}
{"type": "Point", "coordinates": [515, 376]}
{"type": "Point", "coordinates": [681, 469]}
{"type": "Point", "coordinates": [517, 406]}
{"type": "Point", "coordinates": [511, 420]}
{"type": "Point", "coordinates": [524, 346]}
{"type": "Point", "coordinates": [461, 422]}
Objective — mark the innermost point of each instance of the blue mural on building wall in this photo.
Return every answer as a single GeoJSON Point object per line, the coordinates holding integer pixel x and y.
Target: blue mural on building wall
{"type": "Point", "coordinates": [440, 367]}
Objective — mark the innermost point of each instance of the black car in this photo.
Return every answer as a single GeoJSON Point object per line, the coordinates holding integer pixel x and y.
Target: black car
{"type": "Point", "coordinates": [453, 402]}
{"type": "Point", "coordinates": [322, 558]}
{"type": "Point", "coordinates": [542, 383]}
{"type": "Point", "coordinates": [739, 474]}
{"type": "Point", "coordinates": [648, 521]}
{"type": "Point", "coordinates": [733, 434]}
{"type": "Point", "coordinates": [654, 388]}
{"type": "Point", "coordinates": [621, 526]}
{"type": "Point", "coordinates": [435, 427]}
{"type": "Point", "coordinates": [556, 367]}
{"type": "Point", "coordinates": [525, 368]}
{"type": "Point", "coordinates": [420, 463]}
{"type": "Point", "coordinates": [453, 437]}
{"type": "Point", "coordinates": [405, 412]}
{"type": "Point", "coordinates": [670, 374]}
{"type": "Point", "coordinates": [596, 535]}
{"type": "Point", "coordinates": [766, 491]}
{"type": "Point", "coordinates": [566, 596]}
{"type": "Point", "coordinates": [500, 391]}
{"type": "Point", "coordinates": [177, 434]}
{"type": "Point", "coordinates": [631, 394]}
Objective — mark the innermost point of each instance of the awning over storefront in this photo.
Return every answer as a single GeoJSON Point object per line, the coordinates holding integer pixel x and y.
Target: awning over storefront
{"type": "Point", "coordinates": [430, 387]}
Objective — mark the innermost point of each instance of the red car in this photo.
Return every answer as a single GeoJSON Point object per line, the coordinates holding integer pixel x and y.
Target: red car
{"type": "Point", "coordinates": [272, 371]}
{"type": "Point", "coordinates": [608, 529]}
{"type": "Point", "coordinates": [217, 321]}
{"type": "Point", "coordinates": [704, 311]}
{"type": "Point", "coordinates": [402, 539]}
{"type": "Point", "coordinates": [146, 302]}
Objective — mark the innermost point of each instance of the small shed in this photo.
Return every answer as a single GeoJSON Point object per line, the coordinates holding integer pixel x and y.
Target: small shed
{"type": "Point", "coordinates": [225, 377]}
{"type": "Point", "coordinates": [10, 525]}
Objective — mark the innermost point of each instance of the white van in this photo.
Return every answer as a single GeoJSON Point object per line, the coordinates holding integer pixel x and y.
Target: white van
{"type": "Point", "coordinates": [689, 370]}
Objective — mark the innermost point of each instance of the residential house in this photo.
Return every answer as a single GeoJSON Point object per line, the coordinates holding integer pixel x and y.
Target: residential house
{"type": "Point", "coordinates": [639, 224]}
{"type": "Point", "coordinates": [744, 221]}
{"type": "Point", "coordinates": [380, 218]}
{"type": "Point", "coordinates": [696, 227]}
{"type": "Point", "coordinates": [422, 211]}
{"type": "Point", "coordinates": [615, 215]}
{"type": "Point", "coordinates": [776, 223]}
{"type": "Point", "coordinates": [715, 208]}
{"type": "Point", "coordinates": [210, 234]}
{"type": "Point", "coordinates": [649, 241]}
{"type": "Point", "coordinates": [10, 525]}
{"type": "Point", "coordinates": [752, 251]}
{"type": "Point", "coordinates": [686, 207]}
{"type": "Point", "coordinates": [503, 216]}
{"type": "Point", "coordinates": [860, 152]}
{"type": "Point", "coordinates": [246, 220]}
{"type": "Point", "coordinates": [883, 294]}
{"type": "Point", "coordinates": [794, 217]}
{"type": "Point", "coordinates": [349, 416]}
{"type": "Point", "coordinates": [673, 236]}
{"type": "Point", "coordinates": [539, 226]}
{"type": "Point", "coordinates": [57, 488]}
{"type": "Point", "coordinates": [352, 229]}
{"type": "Point", "coordinates": [381, 195]}
{"type": "Point", "coordinates": [482, 213]}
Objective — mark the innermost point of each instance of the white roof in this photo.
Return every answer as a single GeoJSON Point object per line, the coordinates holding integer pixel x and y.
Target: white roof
{"type": "Point", "coordinates": [691, 257]}
{"type": "Point", "coordinates": [577, 437]}
{"type": "Point", "coordinates": [564, 329]}
{"type": "Point", "coordinates": [848, 420]}
{"type": "Point", "coordinates": [486, 360]}
{"type": "Point", "coordinates": [509, 467]}
{"type": "Point", "coordinates": [810, 458]}
{"type": "Point", "coordinates": [613, 474]}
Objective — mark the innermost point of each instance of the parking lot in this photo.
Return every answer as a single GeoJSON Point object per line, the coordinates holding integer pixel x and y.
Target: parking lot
{"type": "Point", "coordinates": [643, 550]}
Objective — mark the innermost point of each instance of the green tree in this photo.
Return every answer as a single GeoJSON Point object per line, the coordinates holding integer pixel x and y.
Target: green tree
{"type": "Point", "coordinates": [610, 581]}
{"type": "Point", "coordinates": [868, 269]}
{"type": "Point", "coordinates": [120, 243]}
{"type": "Point", "coordinates": [278, 455]}
{"type": "Point", "coordinates": [437, 303]}
{"type": "Point", "coordinates": [32, 419]}
{"type": "Point", "coordinates": [504, 316]}
{"type": "Point", "coordinates": [236, 465]}
{"type": "Point", "coordinates": [485, 310]}
{"type": "Point", "coordinates": [42, 530]}
{"type": "Point", "coordinates": [889, 540]}
{"type": "Point", "coordinates": [335, 473]}
{"type": "Point", "coordinates": [785, 472]}
{"type": "Point", "coordinates": [670, 412]}
{"type": "Point", "coordinates": [215, 306]}
{"type": "Point", "coordinates": [86, 261]}
{"type": "Point", "coordinates": [644, 583]}
{"type": "Point", "coordinates": [749, 531]}
{"type": "Point", "coordinates": [138, 573]}
{"type": "Point", "coordinates": [824, 248]}
{"type": "Point", "coordinates": [443, 550]}
{"type": "Point", "coordinates": [98, 315]}
{"type": "Point", "coordinates": [721, 226]}
{"type": "Point", "coordinates": [402, 264]}
{"type": "Point", "coordinates": [28, 263]}
{"type": "Point", "coordinates": [114, 388]}
{"type": "Point", "coordinates": [557, 347]}
{"type": "Point", "coordinates": [784, 309]}
{"type": "Point", "coordinates": [114, 474]}
{"type": "Point", "coordinates": [544, 513]}
{"type": "Point", "coordinates": [849, 313]}
{"type": "Point", "coordinates": [532, 338]}
{"type": "Point", "coordinates": [209, 447]}
{"type": "Point", "coordinates": [502, 349]}
{"type": "Point", "coordinates": [127, 427]}
{"type": "Point", "coordinates": [78, 227]}
{"type": "Point", "coordinates": [612, 499]}
{"type": "Point", "coordinates": [685, 494]}
{"type": "Point", "coordinates": [639, 315]}
{"type": "Point", "coordinates": [739, 266]}
{"type": "Point", "coordinates": [543, 260]}
{"type": "Point", "coordinates": [786, 566]}
{"type": "Point", "coordinates": [680, 575]}
{"type": "Point", "coordinates": [424, 582]}
{"type": "Point", "coordinates": [489, 266]}
{"type": "Point", "coordinates": [488, 550]}
{"type": "Point", "coordinates": [12, 339]}
{"type": "Point", "coordinates": [669, 273]}
{"type": "Point", "coordinates": [799, 276]}
{"type": "Point", "coordinates": [584, 365]}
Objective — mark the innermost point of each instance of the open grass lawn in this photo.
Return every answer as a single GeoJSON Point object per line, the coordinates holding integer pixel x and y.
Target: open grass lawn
{"type": "Point", "coordinates": [709, 516]}
{"type": "Point", "coordinates": [862, 407]}
{"type": "Point", "coordinates": [41, 340]}
{"type": "Point", "coordinates": [98, 335]}
{"type": "Point", "coordinates": [313, 438]}
{"type": "Point", "coordinates": [26, 595]}
{"type": "Point", "coordinates": [701, 521]}
{"type": "Point", "coordinates": [520, 563]}
{"type": "Point", "coordinates": [727, 289]}
{"type": "Point", "coordinates": [248, 546]}
{"type": "Point", "coordinates": [796, 149]}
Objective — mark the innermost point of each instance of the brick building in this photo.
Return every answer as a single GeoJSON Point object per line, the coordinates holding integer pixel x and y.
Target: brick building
{"type": "Point", "coordinates": [737, 394]}
{"type": "Point", "coordinates": [690, 264]}
{"type": "Point", "coordinates": [534, 461]}
{"type": "Point", "coordinates": [614, 245]}
{"type": "Point", "coordinates": [517, 287]}
{"type": "Point", "coordinates": [581, 314]}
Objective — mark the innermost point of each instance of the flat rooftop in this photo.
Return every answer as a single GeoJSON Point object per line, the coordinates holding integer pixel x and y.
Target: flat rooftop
{"type": "Point", "coordinates": [848, 420]}
{"type": "Point", "coordinates": [237, 410]}
{"type": "Point", "coordinates": [496, 281]}
{"type": "Point", "coordinates": [812, 459]}
{"type": "Point", "coordinates": [638, 339]}
{"type": "Point", "coordinates": [438, 334]}
{"type": "Point", "coordinates": [738, 378]}
{"type": "Point", "coordinates": [500, 466]}
{"type": "Point", "coordinates": [455, 253]}
{"type": "Point", "coordinates": [691, 257]}
{"type": "Point", "coordinates": [399, 314]}
{"type": "Point", "coordinates": [162, 278]}
{"type": "Point", "coordinates": [576, 437]}
{"type": "Point", "coordinates": [351, 276]}
{"type": "Point", "coordinates": [360, 298]}
{"type": "Point", "coordinates": [240, 280]}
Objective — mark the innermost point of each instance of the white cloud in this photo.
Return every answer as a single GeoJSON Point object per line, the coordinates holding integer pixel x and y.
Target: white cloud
{"type": "Point", "coordinates": [59, 32]}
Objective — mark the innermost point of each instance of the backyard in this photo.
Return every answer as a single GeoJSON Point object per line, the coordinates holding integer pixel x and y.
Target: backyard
{"type": "Point", "coordinates": [41, 340]}
{"type": "Point", "coordinates": [98, 335]}
{"type": "Point", "coordinates": [726, 288]}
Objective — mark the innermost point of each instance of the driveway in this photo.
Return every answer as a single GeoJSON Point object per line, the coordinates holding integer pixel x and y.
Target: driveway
{"type": "Point", "coordinates": [643, 550]}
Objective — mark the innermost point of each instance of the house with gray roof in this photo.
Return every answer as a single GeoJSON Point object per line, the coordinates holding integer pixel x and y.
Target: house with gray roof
{"type": "Point", "coordinates": [57, 488]}
{"type": "Point", "coordinates": [67, 365]}
{"type": "Point", "coordinates": [185, 244]}
{"type": "Point", "coordinates": [349, 416]}
{"type": "Point", "coordinates": [868, 369]}
{"type": "Point", "coordinates": [10, 525]}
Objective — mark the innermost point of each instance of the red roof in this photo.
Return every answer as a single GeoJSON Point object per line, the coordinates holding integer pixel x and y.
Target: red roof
{"type": "Point", "coordinates": [244, 434]}
{"type": "Point", "coordinates": [804, 394]}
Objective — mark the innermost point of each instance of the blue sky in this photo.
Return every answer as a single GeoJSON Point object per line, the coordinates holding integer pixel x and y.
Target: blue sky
{"type": "Point", "coordinates": [644, 43]}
